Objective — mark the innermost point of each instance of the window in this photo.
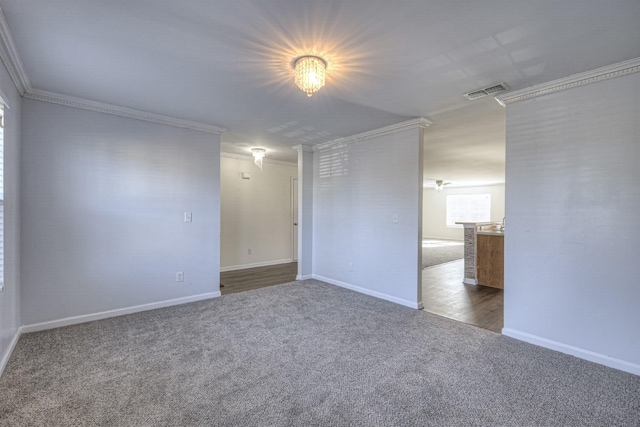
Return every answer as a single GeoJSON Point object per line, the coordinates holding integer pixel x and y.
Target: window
{"type": "Point", "coordinates": [468, 208]}
{"type": "Point", "coordinates": [1, 198]}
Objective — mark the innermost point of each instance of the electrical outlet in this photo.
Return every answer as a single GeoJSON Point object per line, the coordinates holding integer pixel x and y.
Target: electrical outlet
{"type": "Point", "coordinates": [350, 266]}
{"type": "Point", "coordinates": [180, 276]}
{"type": "Point", "coordinates": [249, 251]}
{"type": "Point", "coordinates": [395, 218]}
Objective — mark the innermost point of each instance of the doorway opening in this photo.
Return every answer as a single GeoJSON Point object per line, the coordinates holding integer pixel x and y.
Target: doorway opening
{"type": "Point", "coordinates": [445, 288]}
{"type": "Point", "coordinates": [258, 213]}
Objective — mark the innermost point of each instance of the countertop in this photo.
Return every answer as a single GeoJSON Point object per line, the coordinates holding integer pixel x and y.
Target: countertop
{"type": "Point", "coordinates": [491, 232]}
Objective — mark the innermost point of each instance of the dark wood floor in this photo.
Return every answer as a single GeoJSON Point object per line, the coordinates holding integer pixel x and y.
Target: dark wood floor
{"type": "Point", "coordinates": [443, 293]}
{"type": "Point", "coordinates": [258, 277]}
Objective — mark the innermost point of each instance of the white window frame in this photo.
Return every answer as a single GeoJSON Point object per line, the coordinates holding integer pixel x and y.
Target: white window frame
{"type": "Point", "coordinates": [2, 219]}
{"type": "Point", "coordinates": [467, 208]}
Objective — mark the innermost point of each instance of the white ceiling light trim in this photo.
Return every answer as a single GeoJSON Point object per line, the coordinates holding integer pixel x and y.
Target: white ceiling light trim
{"type": "Point", "coordinates": [420, 122]}
{"type": "Point", "coordinates": [575, 80]}
{"type": "Point", "coordinates": [101, 107]}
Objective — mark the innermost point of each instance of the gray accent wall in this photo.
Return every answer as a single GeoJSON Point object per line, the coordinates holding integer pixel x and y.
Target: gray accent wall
{"type": "Point", "coordinates": [103, 203]}
{"type": "Point", "coordinates": [572, 247]}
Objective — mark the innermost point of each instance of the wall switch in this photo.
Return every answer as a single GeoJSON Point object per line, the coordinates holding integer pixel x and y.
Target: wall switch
{"type": "Point", "coordinates": [395, 218]}
{"type": "Point", "coordinates": [188, 217]}
{"type": "Point", "coordinates": [180, 276]}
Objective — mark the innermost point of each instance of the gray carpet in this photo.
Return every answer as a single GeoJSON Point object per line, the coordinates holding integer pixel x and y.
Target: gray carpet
{"type": "Point", "coordinates": [441, 254]}
{"type": "Point", "coordinates": [302, 354]}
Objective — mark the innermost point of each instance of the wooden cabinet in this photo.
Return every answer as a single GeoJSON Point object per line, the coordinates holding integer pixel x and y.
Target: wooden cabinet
{"type": "Point", "coordinates": [490, 260]}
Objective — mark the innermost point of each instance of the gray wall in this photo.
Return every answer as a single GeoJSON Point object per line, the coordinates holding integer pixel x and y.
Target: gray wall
{"type": "Point", "coordinates": [103, 200]}
{"type": "Point", "coordinates": [10, 296]}
{"type": "Point", "coordinates": [572, 246]}
{"type": "Point", "coordinates": [358, 188]}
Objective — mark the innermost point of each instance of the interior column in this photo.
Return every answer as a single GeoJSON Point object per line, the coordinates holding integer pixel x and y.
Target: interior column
{"type": "Point", "coordinates": [305, 212]}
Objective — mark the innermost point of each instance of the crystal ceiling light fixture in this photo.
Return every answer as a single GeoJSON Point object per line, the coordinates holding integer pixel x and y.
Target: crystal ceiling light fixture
{"type": "Point", "coordinates": [310, 72]}
{"type": "Point", "coordinates": [258, 155]}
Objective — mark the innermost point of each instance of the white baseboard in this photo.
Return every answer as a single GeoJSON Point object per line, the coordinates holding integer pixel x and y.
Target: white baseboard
{"type": "Point", "coordinates": [591, 356]}
{"type": "Point", "coordinates": [113, 313]}
{"type": "Point", "coordinates": [304, 277]}
{"type": "Point", "coordinates": [406, 303]}
{"type": "Point", "coordinates": [448, 239]}
{"type": "Point", "coordinates": [7, 354]}
{"type": "Point", "coordinates": [256, 264]}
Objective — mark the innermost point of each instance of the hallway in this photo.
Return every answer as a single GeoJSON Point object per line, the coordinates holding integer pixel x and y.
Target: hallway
{"type": "Point", "coordinates": [257, 277]}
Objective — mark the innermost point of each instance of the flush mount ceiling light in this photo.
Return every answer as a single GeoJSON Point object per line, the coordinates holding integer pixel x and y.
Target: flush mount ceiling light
{"type": "Point", "coordinates": [310, 73]}
{"type": "Point", "coordinates": [258, 155]}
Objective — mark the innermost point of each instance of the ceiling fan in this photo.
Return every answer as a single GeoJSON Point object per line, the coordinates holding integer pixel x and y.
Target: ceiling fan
{"type": "Point", "coordinates": [438, 184]}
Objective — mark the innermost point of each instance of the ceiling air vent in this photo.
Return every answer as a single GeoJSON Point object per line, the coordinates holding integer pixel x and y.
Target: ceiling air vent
{"type": "Point", "coordinates": [480, 93]}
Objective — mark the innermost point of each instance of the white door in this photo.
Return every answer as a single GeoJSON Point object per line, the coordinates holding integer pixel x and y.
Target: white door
{"type": "Point", "coordinates": [294, 219]}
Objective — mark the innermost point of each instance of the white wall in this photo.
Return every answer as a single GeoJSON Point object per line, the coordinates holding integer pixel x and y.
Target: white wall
{"type": "Point", "coordinates": [358, 188]}
{"type": "Point", "coordinates": [572, 276]}
{"type": "Point", "coordinates": [255, 213]}
{"type": "Point", "coordinates": [434, 212]}
{"type": "Point", "coordinates": [103, 202]}
{"type": "Point", "coordinates": [305, 211]}
{"type": "Point", "coordinates": [10, 296]}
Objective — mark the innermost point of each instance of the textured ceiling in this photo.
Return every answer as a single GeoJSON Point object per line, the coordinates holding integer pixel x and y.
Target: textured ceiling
{"type": "Point", "coordinates": [228, 63]}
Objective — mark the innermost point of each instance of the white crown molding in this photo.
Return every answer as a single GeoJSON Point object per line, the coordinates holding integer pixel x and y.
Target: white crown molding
{"type": "Point", "coordinates": [13, 64]}
{"type": "Point", "coordinates": [419, 122]}
{"type": "Point", "coordinates": [249, 158]}
{"type": "Point", "coordinates": [11, 59]}
{"type": "Point", "coordinates": [581, 79]}
{"type": "Point", "coordinates": [115, 110]}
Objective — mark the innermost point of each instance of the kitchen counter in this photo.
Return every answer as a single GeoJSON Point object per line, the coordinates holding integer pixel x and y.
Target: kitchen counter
{"type": "Point", "coordinates": [490, 258]}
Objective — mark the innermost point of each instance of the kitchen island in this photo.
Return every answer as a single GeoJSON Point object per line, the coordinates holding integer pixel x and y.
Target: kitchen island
{"type": "Point", "coordinates": [484, 254]}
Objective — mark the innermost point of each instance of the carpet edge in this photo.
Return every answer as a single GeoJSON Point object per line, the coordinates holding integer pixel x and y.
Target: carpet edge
{"type": "Point", "coordinates": [578, 352]}
{"type": "Point", "coordinates": [74, 320]}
